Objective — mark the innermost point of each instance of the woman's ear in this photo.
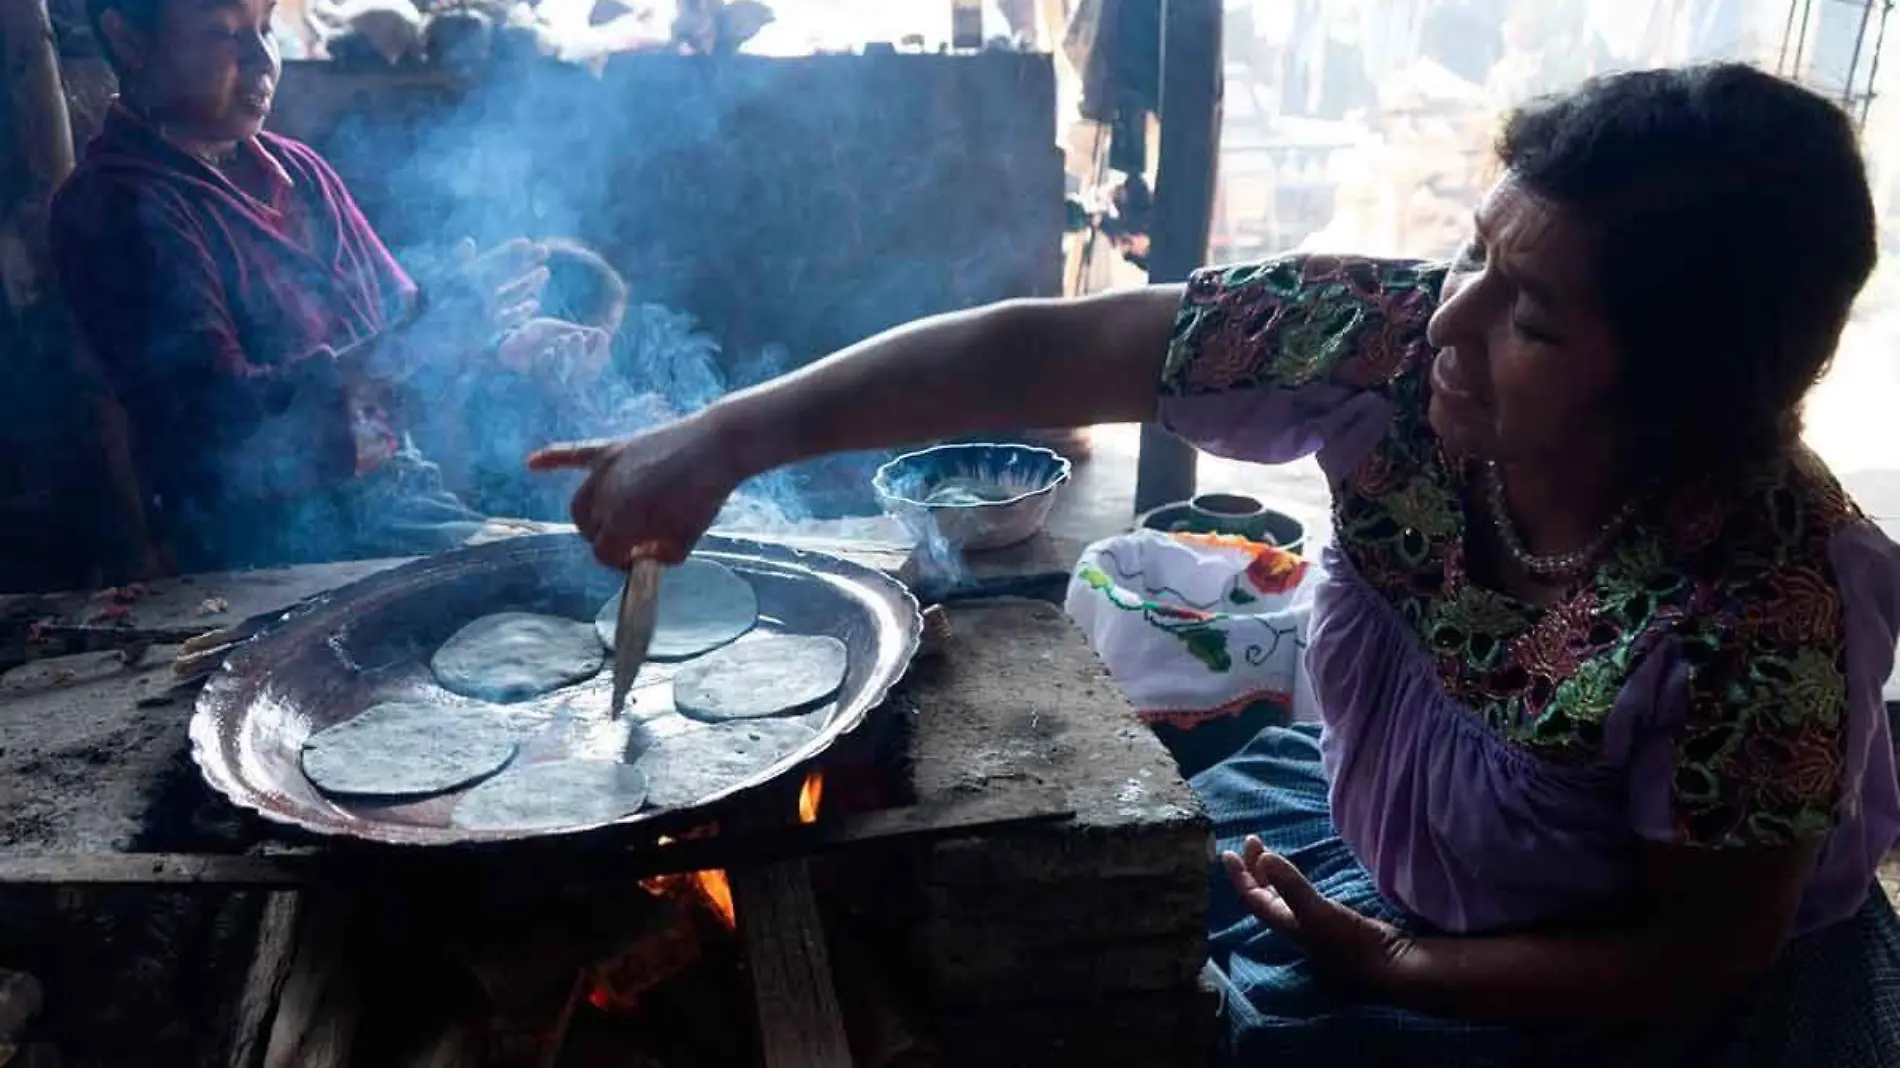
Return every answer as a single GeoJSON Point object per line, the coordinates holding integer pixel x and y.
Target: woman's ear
{"type": "Point", "coordinates": [128, 43]}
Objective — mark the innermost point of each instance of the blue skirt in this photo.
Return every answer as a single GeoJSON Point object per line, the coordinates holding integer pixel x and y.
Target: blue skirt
{"type": "Point", "coordinates": [1833, 1000]}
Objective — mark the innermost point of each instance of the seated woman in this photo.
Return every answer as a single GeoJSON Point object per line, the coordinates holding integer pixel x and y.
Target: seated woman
{"type": "Point", "coordinates": [255, 329]}
{"type": "Point", "coordinates": [1605, 773]}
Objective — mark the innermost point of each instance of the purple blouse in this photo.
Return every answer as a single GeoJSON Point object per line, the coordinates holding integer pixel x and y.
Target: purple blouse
{"type": "Point", "coordinates": [1716, 682]}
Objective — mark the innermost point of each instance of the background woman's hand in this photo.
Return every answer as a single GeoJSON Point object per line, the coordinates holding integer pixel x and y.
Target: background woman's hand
{"type": "Point", "coordinates": [650, 495]}
{"type": "Point", "coordinates": [559, 351]}
{"type": "Point", "coordinates": [485, 294]}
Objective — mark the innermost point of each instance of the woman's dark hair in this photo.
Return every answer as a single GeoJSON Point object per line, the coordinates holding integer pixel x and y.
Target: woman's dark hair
{"type": "Point", "coordinates": [141, 13]}
{"type": "Point", "coordinates": [1733, 229]}
{"type": "Point", "coordinates": [582, 286]}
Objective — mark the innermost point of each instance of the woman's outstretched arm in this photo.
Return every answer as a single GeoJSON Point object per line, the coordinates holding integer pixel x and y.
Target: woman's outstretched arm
{"type": "Point", "coordinates": [1017, 364]}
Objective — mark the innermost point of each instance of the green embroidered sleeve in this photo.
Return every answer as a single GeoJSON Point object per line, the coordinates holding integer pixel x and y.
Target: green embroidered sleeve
{"type": "Point", "coordinates": [1300, 320]}
{"type": "Point", "coordinates": [1759, 755]}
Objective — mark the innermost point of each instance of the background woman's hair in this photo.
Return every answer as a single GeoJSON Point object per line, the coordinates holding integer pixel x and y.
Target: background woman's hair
{"type": "Point", "coordinates": [1733, 228]}
{"type": "Point", "coordinates": [141, 13]}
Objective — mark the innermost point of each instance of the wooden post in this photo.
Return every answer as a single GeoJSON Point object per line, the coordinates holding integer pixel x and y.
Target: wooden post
{"type": "Point", "coordinates": [1184, 202]}
{"type": "Point", "coordinates": [43, 136]}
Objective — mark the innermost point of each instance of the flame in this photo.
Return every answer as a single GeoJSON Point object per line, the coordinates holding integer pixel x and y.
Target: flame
{"type": "Point", "coordinates": [810, 796]}
{"type": "Point", "coordinates": [619, 984]}
{"type": "Point", "coordinates": [709, 888]}
{"type": "Point", "coordinates": [717, 891]}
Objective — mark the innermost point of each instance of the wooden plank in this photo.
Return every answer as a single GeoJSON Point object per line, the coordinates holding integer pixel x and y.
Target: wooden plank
{"type": "Point", "coordinates": [800, 1025]}
{"type": "Point", "coordinates": [552, 864]}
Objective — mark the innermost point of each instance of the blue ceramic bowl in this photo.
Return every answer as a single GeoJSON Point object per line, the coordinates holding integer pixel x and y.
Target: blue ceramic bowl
{"type": "Point", "coordinates": [976, 496]}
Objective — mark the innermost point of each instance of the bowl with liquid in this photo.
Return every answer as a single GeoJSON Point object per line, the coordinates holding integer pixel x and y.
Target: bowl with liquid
{"type": "Point", "coordinates": [976, 496]}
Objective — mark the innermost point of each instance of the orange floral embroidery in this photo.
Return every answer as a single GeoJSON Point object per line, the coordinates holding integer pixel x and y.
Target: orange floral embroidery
{"type": "Point", "coordinates": [1215, 541]}
{"type": "Point", "coordinates": [1271, 569]}
{"type": "Point", "coordinates": [1275, 570]}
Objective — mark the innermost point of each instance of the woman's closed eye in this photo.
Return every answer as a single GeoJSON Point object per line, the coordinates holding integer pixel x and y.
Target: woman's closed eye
{"type": "Point", "coordinates": [1533, 332]}
{"type": "Point", "coordinates": [1470, 257]}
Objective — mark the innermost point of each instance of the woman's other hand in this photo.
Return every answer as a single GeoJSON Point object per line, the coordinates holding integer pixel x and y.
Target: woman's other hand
{"type": "Point", "coordinates": [1341, 943]}
{"type": "Point", "coordinates": [563, 352]}
{"type": "Point", "coordinates": [650, 495]}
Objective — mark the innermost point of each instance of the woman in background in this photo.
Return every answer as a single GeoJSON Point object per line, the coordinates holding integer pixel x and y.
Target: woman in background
{"type": "Point", "coordinates": [260, 337]}
{"type": "Point", "coordinates": [1605, 773]}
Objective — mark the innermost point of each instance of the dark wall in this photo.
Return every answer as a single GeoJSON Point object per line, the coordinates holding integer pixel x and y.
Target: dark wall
{"type": "Point", "coordinates": [804, 203]}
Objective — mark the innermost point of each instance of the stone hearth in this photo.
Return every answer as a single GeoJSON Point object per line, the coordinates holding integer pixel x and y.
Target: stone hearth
{"type": "Point", "coordinates": [1068, 940]}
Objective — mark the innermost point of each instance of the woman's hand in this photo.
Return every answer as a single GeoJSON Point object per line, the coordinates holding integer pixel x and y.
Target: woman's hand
{"type": "Point", "coordinates": [1341, 943]}
{"type": "Point", "coordinates": [484, 295]}
{"type": "Point", "coordinates": [560, 351]}
{"type": "Point", "coordinates": [651, 495]}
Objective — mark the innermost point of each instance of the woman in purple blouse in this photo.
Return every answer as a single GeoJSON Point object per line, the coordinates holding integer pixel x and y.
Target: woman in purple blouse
{"type": "Point", "coordinates": [1605, 772]}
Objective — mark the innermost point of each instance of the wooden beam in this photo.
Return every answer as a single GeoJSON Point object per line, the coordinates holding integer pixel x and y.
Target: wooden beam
{"type": "Point", "coordinates": [788, 957]}
{"type": "Point", "coordinates": [551, 864]}
{"type": "Point", "coordinates": [789, 962]}
{"type": "Point", "coordinates": [1184, 203]}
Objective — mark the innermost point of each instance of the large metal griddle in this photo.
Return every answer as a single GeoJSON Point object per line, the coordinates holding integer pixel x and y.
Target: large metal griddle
{"type": "Point", "coordinates": [371, 641]}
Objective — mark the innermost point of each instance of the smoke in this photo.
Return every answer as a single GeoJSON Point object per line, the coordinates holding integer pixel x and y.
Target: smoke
{"type": "Point", "coordinates": [762, 212]}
